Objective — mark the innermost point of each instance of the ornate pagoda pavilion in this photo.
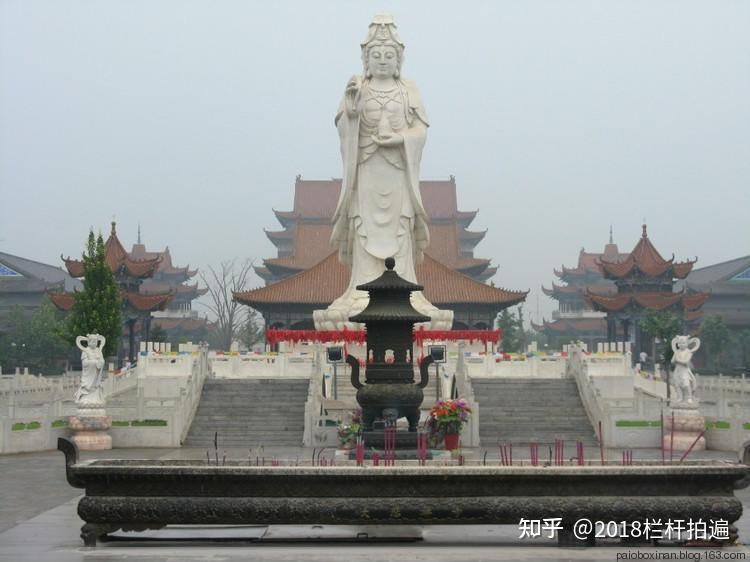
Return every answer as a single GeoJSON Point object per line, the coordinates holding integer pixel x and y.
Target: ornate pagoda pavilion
{"type": "Point", "coordinates": [644, 280]}
{"type": "Point", "coordinates": [179, 318]}
{"type": "Point", "coordinates": [306, 274]}
{"type": "Point", "coordinates": [129, 274]}
{"type": "Point", "coordinates": [575, 319]}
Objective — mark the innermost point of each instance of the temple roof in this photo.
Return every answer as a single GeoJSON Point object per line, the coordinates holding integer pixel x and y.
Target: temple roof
{"type": "Point", "coordinates": [166, 267]}
{"type": "Point", "coordinates": [652, 300]}
{"type": "Point", "coordinates": [645, 259]}
{"type": "Point", "coordinates": [118, 260]}
{"type": "Point", "coordinates": [558, 291]}
{"type": "Point", "coordinates": [323, 283]}
{"type": "Point", "coordinates": [588, 262]}
{"type": "Point", "coordinates": [182, 291]}
{"type": "Point", "coordinates": [312, 244]}
{"type": "Point", "coordinates": [137, 301]}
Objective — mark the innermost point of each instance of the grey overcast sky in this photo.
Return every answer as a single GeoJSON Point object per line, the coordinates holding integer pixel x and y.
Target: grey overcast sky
{"type": "Point", "coordinates": [558, 118]}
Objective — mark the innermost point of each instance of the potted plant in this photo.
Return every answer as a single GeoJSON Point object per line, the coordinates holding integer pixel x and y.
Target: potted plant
{"type": "Point", "coordinates": [447, 418]}
{"type": "Point", "coordinates": [348, 431]}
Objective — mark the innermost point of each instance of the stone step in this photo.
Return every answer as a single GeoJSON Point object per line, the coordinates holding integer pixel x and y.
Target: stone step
{"type": "Point", "coordinates": [531, 410]}
{"type": "Point", "coordinates": [245, 412]}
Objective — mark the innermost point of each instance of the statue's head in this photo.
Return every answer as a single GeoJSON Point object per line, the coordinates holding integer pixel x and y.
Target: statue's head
{"type": "Point", "coordinates": [93, 341]}
{"type": "Point", "coordinates": [382, 49]}
{"type": "Point", "coordinates": [681, 342]}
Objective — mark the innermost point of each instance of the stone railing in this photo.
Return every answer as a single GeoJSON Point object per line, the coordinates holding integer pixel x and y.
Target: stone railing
{"type": "Point", "coordinates": [611, 396]}
{"type": "Point", "coordinates": [264, 365]}
{"type": "Point", "coordinates": [34, 410]}
{"type": "Point", "coordinates": [168, 391]}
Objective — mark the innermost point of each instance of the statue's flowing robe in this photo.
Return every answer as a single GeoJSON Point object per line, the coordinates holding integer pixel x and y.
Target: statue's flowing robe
{"type": "Point", "coordinates": [344, 236]}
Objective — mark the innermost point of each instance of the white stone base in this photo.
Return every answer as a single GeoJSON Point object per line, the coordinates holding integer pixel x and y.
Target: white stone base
{"type": "Point", "coordinates": [688, 425]}
{"type": "Point", "coordinates": [90, 430]}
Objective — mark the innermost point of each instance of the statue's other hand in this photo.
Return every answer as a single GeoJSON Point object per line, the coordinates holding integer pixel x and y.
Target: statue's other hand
{"type": "Point", "coordinates": [388, 139]}
{"type": "Point", "coordinates": [353, 86]}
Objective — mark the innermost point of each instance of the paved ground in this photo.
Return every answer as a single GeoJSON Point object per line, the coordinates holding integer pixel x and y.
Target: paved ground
{"type": "Point", "coordinates": [38, 522]}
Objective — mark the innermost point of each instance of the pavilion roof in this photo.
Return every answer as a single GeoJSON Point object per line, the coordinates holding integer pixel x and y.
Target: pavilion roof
{"type": "Point", "coordinates": [588, 262]}
{"type": "Point", "coordinates": [645, 259]}
{"type": "Point", "coordinates": [327, 280]}
{"type": "Point", "coordinates": [653, 300]}
{"type": "Point", "coordinates": [558, 291]}
{"type": "Point", "coordinates": [166, 267]}
{"type": "Point", "coordinates": [118, 260]}
{"type": "Point", "coordinates": [137, 301]}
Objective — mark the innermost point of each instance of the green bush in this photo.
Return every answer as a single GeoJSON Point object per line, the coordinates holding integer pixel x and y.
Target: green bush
{"type": "Point", "coordinates": [59, 423]}
{"type": "Point", "coordinates": [148, 423]}
{"type": "Point", "coordinates": [746, 426]}
{"type": "Point", "coordinates": [20, 426]}
{"type": "Point", "coordinates": [718, 425]}
{"type": "Point", "coordinates": [120, 423]}
{"type": "Point", "coordinates": [33, 425]}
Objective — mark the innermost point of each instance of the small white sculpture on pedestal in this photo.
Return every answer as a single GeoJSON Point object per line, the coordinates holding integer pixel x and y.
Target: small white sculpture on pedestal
{"type": "Point", "coordinates": [683, 379]}
{"type": "Point", "coordinates": [688, 423]}
{"type": "Point", "coordinates": [91, 422]}
{"type": "Point", "coordinates": [90, 393]}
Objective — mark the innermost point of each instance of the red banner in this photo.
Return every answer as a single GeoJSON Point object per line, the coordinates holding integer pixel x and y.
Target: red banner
{"type": "Point", "coordinates": [274, 336]}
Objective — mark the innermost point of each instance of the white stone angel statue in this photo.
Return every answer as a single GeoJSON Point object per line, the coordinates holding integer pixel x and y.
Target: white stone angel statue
{"type": "Point", "coordinates": [90, 393]}
{"type": "Point", "coordinates": [683, 379]}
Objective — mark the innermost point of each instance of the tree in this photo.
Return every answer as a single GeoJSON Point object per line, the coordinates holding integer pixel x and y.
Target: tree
{"type": "Point", "coordinates": [36, 342]}
{"type": "Point", "coordinates": [663, 325]}
{"type": "Point", "coordinates": [230, 315]}
{"type": "Point", "coordinates": [97, 309]}
{"type": "Point", "coordinates": [157, 334]}
{"type": "Point", "coordinates": [252, 332]}
{"type": "Point", "coordinates": [715, 338]}
{"type": "Point", "coordinates": [508, 324]}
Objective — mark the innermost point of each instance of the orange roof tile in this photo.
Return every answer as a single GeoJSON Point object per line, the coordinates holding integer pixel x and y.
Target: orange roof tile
{"type": "Point", "coordinates": [147, 303]}
{"type": "Point", "coordinates": [653, 300]}
{"type": "Point", "coordinates": [63, 301]}
{"type": "Point", "coordinates": [323, 283]}
{"type": "Point", "coordinates": [646, 259]}
{"type": "Point", "coordinates": [118, 260]}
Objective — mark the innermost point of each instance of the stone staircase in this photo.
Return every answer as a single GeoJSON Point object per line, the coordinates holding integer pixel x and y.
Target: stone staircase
{"type": "Point", "coordinates": [250, 412]}
{"type": "Point", "coordinates": [531, 410]}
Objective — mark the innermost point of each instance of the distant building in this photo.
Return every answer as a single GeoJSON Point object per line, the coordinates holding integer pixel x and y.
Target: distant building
{"type": "Point", "coordinates": [25, 283]}
{"type": "Point", "coordinates": [178, 320]}
{"type": "Point", "coordinates": [575, 319]}
{"type": "Point", "coordinates": [645, 281]}
{"type": "Point", "coordinates": [728, 284]}
{"type": "Point", "coordinates": [129, 274]}
{"type": "Point", "coordinates": [306, 274]}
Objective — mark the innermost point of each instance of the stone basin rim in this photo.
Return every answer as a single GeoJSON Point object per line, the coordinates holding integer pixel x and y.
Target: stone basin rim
{"type": "Point", "coordinates": [109, 467]}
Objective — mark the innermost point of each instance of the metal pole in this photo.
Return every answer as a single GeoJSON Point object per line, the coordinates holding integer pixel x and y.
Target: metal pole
{"type": "Point", "coordinates": [335, 385]}
{"type": "Point", "coordinates": [437, 379]}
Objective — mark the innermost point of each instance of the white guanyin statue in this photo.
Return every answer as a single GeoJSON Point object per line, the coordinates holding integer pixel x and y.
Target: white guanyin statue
{"type": "Point", "coordinates": [683, 380]}
{"type": "Point", "coordinates": [382, 127]}
{"type": "Point", "coordinates": [90, 394]}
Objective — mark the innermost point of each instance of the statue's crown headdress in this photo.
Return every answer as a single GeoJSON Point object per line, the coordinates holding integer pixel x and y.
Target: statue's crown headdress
{"type": "Point", "coordinates": [382, 30]}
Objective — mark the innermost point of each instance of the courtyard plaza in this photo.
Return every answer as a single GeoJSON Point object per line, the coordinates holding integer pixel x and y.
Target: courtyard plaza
{"type": "Point", "coordinates": [38, 521]}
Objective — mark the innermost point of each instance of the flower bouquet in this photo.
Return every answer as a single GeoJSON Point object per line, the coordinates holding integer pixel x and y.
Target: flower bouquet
{"type": "Point", "coordinates": [447, 418]}
{"type": "Point", "coordinates": [348, 431]}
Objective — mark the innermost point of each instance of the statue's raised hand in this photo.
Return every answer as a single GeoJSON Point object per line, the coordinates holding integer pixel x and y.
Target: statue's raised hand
{"type": "Point", "coordinates": [388, 139]}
